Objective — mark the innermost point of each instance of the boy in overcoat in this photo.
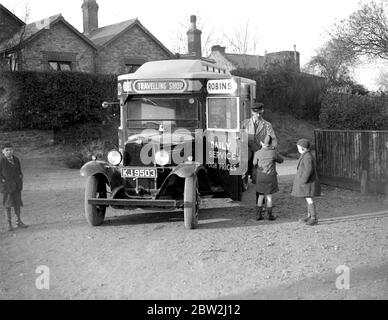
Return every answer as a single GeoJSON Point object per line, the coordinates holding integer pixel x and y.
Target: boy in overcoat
{"type": "Point", "coordinates": [11, 184]}
{"type": "Point", "coordinates": [306, 183]}
{"type": "Point", "coordinates": [265, 160]}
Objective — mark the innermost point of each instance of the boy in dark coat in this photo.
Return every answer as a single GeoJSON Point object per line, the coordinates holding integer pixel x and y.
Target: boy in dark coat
{"type": "Point", "coordinates": [11, 184]}
{"type": "Point", "coordinates": [257, 129]}
{"type": "Point", "coordinates": [266, 176]}
{"type": "Point", "coordinates": [306, 183]}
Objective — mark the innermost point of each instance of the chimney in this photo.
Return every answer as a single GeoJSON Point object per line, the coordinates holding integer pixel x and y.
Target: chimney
{"type": "Point", "coordinates": [194, 38]}
{"type": "Point", "coordinates": [90, 16]}
{"type": "Point", "coordinates": [296, 59]}
{"type": "Point", "coordinates": [218, 48]}
{"type": "Point", "coordinates": [295, 55]}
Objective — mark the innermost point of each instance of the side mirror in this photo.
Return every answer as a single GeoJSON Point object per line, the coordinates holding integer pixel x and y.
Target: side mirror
{"type": "Point", "coordinates": [107, 104]}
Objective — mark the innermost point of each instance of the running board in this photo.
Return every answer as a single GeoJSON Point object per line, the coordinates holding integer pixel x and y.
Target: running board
{"type": "Point", "coordinates": [137, 203]}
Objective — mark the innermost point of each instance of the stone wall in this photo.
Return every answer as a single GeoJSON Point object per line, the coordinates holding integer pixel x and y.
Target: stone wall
{"type": "Point", "coordinates": [8, 26]}
{"type": "Point", "coordinates": [285, 58]}
{"type": "Point", "coordinates": [136, 43]}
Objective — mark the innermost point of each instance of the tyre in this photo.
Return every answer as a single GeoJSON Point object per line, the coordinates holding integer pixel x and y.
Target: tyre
{"type": "Point", "coordinates": [95, 188]}
{"type": "Point", "coordinates": [191, 202]}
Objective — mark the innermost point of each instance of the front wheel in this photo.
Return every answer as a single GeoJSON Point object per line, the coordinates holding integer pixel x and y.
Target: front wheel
{"type": "Point", "coordinates": [191, 202]}
{"type": "Point", "coordinates": [95, 188]}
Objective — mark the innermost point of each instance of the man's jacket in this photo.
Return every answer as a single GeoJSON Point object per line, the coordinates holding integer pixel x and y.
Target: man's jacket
{"type": "Point", "coordinates": [11, 176]}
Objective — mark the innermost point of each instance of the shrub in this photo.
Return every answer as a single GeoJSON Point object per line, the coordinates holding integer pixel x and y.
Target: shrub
{"type": "Point", "coordinates": [52, 100]}
{"type": "Point", "coordinates": [82, 134]}
{"type": "Point", "coordinates": [85, 152]}
{"type": "Point", "coordinates": [285, 90]}
{"type": "Point", "coordinates": [354, 112]}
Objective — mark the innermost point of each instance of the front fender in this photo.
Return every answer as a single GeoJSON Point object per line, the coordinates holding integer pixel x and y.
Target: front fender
{"type": "Point", "coordinates": [92, 168]}
{"type": "Point", "coordinates": [111, 175]}
{"type": "Point", "coordinates": [176, 179]}
{"type": "Point", "coordinates": [187, 169]}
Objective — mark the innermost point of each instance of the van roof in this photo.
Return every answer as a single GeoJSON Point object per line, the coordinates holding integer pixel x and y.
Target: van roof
{"type": "Point", "coordinates": [178, 69]}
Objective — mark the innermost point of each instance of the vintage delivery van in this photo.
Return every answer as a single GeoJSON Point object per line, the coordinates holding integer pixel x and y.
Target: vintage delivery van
{"type": "Point", "coordinates": [179, 140]}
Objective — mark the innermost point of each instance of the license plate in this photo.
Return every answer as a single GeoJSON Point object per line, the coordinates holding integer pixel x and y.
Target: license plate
{"type": "Point", "coordinates": [139, 173]}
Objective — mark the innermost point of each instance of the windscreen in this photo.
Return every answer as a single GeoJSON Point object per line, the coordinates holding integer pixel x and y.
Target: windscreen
{"type": "Point", "coordinates": [150, 113]}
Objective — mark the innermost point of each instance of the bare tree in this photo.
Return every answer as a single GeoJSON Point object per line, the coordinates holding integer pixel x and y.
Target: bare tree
{"type": "Point", "coordinates": [209, 35]}
{"type": "Point", "coordinates": [333, 62]}
{"type": "Point", "coordinates": [365, 32]}
{"type": "Point", "coordinates": [15, 57]}
{"type": "Point", "coordinates": [25, 18]}
{"type": "Point", "coordinates": [244, 40]}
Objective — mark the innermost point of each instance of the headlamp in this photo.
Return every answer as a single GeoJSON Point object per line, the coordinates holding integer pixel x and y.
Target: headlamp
{"type": "Point", "coordinates": [162, 158]}
{"type": "Point", "coordinates": [114, 157]}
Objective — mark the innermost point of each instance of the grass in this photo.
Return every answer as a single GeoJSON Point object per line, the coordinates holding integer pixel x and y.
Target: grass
{"type": "Point", "coordinates": [289, 130]}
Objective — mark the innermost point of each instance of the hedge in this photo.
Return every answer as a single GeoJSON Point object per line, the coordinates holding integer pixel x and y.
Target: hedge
{"type": "Point", "coordinates": [354, 112]}
{"type": "Point", "coordinates": [53, 100]}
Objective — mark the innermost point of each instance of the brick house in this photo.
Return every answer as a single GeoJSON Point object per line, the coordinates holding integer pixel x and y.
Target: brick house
{"type": "Point", "coordinates": [54, 44]}
{"type": "Point", "coordinates": [122, 47]}
{"type": "Point", "coordinates": [9, 23]}
{"type": "Point", "coordinates": [50, 44]}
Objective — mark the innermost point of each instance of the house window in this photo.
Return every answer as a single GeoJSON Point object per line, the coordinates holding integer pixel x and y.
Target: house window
{"type": "Point", "coordinates": [131, 68]}
{"type": "Point", "coordinates": [59, 61]}
{"type": "Point", "coordinates": [60, 65]}
{"type": "Point", "coordinates": [133, 63]}
{"type": "Point", "coordinates": [13, 62]}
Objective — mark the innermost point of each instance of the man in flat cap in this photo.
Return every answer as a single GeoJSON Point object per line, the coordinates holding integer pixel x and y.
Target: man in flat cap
{"type": "Point", "coordinates": [258, 129]}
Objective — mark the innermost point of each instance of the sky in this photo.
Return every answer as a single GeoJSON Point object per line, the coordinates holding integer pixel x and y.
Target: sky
{"type": "Point", "coordinates": [276, 24]}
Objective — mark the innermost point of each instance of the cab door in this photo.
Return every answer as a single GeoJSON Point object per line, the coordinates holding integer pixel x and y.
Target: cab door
{"type": "Point", "coordinates": [226, 147]}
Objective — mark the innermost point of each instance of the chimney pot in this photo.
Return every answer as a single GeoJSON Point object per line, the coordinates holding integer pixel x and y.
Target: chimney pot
{"type": "Point", "coordinates": [218, 48]}
{"type": "Point", "coordinates": [194, 38]}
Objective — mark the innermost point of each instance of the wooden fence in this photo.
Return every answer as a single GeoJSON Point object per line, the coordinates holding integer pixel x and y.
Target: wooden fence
{"type": "Point", "coordinates": [352, 159]}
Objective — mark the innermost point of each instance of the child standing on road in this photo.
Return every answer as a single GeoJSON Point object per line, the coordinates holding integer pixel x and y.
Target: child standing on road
{"type": "Point", "coordinates": [11, 184]}
{"type": "Point", "coordinates": [266, 176]}
{"type": "Point", "coordinates": [306, 183]}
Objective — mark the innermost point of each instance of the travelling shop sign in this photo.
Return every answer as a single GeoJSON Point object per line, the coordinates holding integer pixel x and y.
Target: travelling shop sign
{"type": "Point", "coordinates": [159, 86]}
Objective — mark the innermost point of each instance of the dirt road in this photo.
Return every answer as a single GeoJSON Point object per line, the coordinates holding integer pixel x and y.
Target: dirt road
{"type": "Point", "coordinates": [137, 255]}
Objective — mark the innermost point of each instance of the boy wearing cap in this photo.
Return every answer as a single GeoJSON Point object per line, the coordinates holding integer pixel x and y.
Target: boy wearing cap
{"type": "Point", "coordinates": [258, 129]}
{"type": "Point", "coordinates": [11, 184]}
{"type": "Point", "coordinates": [267, 181]}
{"type": "Point", "coordinates": [306, 183]}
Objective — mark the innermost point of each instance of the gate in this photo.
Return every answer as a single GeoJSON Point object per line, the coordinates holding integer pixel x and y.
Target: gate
{"type": "Point", "coordinates": [353, 159]}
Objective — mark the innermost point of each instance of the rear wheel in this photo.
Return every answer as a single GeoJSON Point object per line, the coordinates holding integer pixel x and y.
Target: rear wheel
{"type": "Point", "coordinates": [95, 188]}
{"type": "Point", "coordinates": [191, 202]}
